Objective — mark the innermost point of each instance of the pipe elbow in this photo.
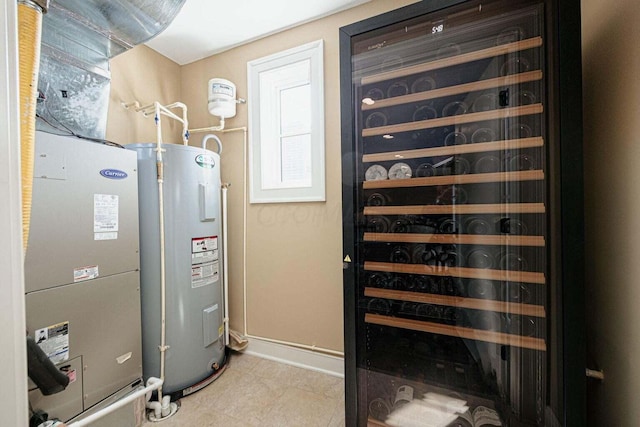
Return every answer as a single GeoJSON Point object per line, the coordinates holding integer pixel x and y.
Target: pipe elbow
{"type": "Point", "coordinates": [156, 407]}
{"type": "Point", "coordinates": [215, 138]}
{"type": "Point", "coordinates": [153, 381]}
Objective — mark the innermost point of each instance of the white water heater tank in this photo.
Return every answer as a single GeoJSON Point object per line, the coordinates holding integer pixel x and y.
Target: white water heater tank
{"type": "Point", "coordinates": [222, 98]}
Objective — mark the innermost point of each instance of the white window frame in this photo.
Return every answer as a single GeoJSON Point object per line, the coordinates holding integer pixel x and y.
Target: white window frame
{"type": "Point", "coordinates": [265, 86]}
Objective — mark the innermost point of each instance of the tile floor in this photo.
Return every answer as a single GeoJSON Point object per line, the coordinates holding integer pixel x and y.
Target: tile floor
{"type": "Point", "coordinates": [259, 392]}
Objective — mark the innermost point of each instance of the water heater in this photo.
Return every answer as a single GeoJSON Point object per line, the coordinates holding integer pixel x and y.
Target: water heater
{"type": "Point", "coordinates": [193, 265]}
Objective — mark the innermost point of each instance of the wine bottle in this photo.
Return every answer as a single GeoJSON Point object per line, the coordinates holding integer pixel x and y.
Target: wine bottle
{"type": "Point", "coordinates": [481, 289]}
{"type": "Point", "coordinates": [400, 255]}
{"type": "Point", "coordinates": [424, 112]}
{"type": "Point", "coordinates": [518, 293]}
{"type": "Point", "coordinates": [522, 325]}
{"type": "Point", "coordinates": [448, 226]}
{"type": "Point", "coordinates": [423, 84]}
{"type": "Point", "coordinates": [376, 119]}
{"type": "Point", "coordinates": [378, 280]}
{"type": "Point", "coordinates": [512, 226]}
{"type": "Point", "coordinates": [378, 224]}
{"type": "Point", "coordinates": [513, 261]}
{"type": "Point", "coordinates": [480, 258]}
{"type": "Point", "coordinates": [401, 225]}
{"type": "Point", "coordinates": [475, 225]}
{"type": "Point", "coordinates": [455, 138]}
{"type": "Point", "coordinates": [377, 199]}
{"type": "Point", "coordinates": [398, 282]}
{"type": "Point", "coordinates": [399, 88]}
{"type": "Point", "coordinates": [423, 254]}
{"type": "Point", "coordinates": [486, 320]}
{"type": "Point", "coordinates": [379, 306]}
{"type": "Point", "coordinates": [487, 164]}
{"type": "Point", "coordinates": [374, 94]}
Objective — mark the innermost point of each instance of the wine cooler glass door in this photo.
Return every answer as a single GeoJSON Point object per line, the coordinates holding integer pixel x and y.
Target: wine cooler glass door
{"type": "Point", "coordinates": [451, 242]}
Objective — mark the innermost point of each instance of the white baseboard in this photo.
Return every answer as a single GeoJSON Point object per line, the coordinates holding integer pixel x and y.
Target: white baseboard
{"type": "Point", "coordinates": [294, 356]}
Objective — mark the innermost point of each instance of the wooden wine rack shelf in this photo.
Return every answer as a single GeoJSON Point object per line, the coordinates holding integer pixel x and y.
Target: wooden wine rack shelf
{"type": "Point", "coordinates": [503, 49]}
{"type": "Point", "coordinates": [464, 272]}
{"type": "Point", "coordinates": [502, 113]}
{"type": "Point", "coordinates": [458, 331]}
{"type": "Point", "coordinates": [471, 303]}
{"type": "Point", "coordinates": [480, 147]}
{"type": "Point", "coordinates": [512, 79]}
{"type": "Point", "coordinates": [498, 208]}
{"type": "Point", "coordinates": [478, 178]}
{"type": "Point", "coordinates": [456, 239]}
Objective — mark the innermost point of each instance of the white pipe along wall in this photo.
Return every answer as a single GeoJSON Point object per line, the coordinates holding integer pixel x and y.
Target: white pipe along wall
{"type": "Point", "coordinates": [152, 384]}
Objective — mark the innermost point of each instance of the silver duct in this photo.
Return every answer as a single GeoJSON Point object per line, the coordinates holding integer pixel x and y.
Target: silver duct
{"type": "Point", "coordinates": [78, 39]}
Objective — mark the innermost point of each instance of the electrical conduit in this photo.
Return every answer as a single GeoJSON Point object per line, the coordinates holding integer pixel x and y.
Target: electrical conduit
{"type": "Point", "coordinates": [30, 33]}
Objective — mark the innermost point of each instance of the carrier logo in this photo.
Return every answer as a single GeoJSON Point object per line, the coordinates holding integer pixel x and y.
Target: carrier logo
{"type": "Point", "coordinates": [113, 174]}
{"type": "Point", "coordinates": [205, 161]}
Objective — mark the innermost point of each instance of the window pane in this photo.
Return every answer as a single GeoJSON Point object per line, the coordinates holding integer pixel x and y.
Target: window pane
{"type": "Point", "coordinates": [295, 110]}
{"type": "Point", "coordinates": [296, 161]}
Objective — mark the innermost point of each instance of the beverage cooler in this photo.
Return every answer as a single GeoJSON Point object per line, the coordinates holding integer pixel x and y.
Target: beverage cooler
{"type": "Point", "coordinates": [462, 215]}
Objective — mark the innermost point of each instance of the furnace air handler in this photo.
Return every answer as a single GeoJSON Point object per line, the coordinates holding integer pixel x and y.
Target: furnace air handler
{"type": "Point", "coordinates": [193, 259]}
{"type": "Point", "coordinates": [82, 275]}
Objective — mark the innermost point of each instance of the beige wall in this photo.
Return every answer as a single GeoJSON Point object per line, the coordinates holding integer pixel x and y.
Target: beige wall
{"type": "Point", "coordinates": [611, 67]}
{"type": "Point", "coordinates": [142, 75]}
{"type": "Point", "coordinates": [293, 264]}
{"type": "Point", "coordinates": [294, 250]}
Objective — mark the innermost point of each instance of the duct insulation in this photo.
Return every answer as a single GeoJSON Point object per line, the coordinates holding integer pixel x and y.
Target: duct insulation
{"type": "Point", "coordinates": [78, 39]}
{"type": "Point", "coordinates": [29, 32]}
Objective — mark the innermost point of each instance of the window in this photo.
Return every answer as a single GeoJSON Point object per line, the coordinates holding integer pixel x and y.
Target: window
{"type": "Point", "coordinates": [286, 126]}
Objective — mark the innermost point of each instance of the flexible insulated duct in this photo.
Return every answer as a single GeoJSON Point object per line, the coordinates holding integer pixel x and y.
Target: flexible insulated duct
{"type": "Point", "coordinates": [78, 39]}
{"type": "Point", "coordinates": [29, 34]}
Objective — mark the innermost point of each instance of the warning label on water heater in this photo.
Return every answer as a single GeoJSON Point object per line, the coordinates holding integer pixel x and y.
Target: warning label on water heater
{"type": "Point", "coordinates": [205, 264]}
{"type": "Point", "coordinates": [203, 244]}
{"type": "Point", "coordinates": [205, 274]}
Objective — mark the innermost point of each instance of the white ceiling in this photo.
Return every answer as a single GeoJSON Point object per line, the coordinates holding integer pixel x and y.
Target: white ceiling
{"type": "Point", "coordinates": [206, 27]}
